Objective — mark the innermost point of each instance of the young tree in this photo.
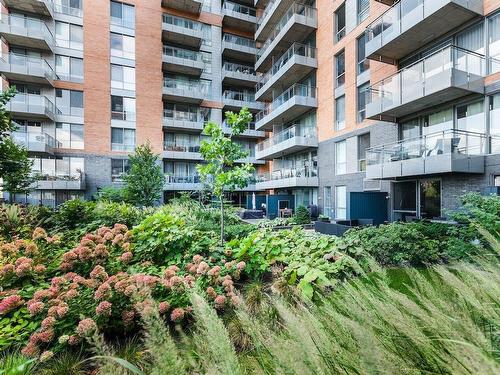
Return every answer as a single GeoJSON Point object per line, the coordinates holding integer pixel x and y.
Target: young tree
{"type": "Point", "coordinates": [145, 180]}
{"type": "Point", "coordinates": [220, 153]}
{"type": "Point", "coordinates": [15, 166]}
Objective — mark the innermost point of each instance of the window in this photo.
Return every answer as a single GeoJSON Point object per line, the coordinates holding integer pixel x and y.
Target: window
{"type": "Point", "coordinates": [363, 10]}
{"type": "Point", "coordinates": [122, 15]}
{"type": "Point", "coordinates": [470, 117]}
{"type": "Point", "coordinates": [327, 198]}
{"type": "Point", "coordinates": [122, 108]}
{"type": "Point", "coordinates": [122, 46]}
{"type": "Point", "coordinates": [69, 7]}
{"type": "Point", "coordinates": [494, 43]}
{"type": "Point", "coordinates": [69, 135]}
{"type": "Point", "coordinates": [122, 139]}
{"type": "Point", "coordinates": [122, 77]}
{"type": "Point", "coordinates": [341, 202]}
{"type": "Point", "coordinates": [69, 35]}
{"type": "Point", "coordinates": [497, 181]}
{"type": "Point", "coordinates": [118, 168]}
{"type": "Point", "coordinates": [69, 102]}
{"type": "Point", "coordinates": [340, 113]}
{"type": "Point", "coordinates": [363, 145]}
{"type": "Point", "coordinates": [362, 101]}
{"type": "Point", "coordinates": [340, 69]}
{"type": "Point", "coordinates": [341, 157]}
{"type": "Point", "coordinates": [363, 62]}
{"type": "Point", "coordinates": [69, 68]}
{"type": "Point", "coordinates": [340, 22]}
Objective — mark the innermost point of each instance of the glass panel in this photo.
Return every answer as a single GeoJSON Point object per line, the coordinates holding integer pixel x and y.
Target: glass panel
{"type": "Point", "coordinates": [430, 199]}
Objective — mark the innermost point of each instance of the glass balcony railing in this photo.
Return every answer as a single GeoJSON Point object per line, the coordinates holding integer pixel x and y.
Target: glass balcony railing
{"type": "Point", "coordinates": [194, 179]}
{"type": "Point", "coordinates": [295, 131]}
{"type": "Point", "coordinates": [239, 40]}
{"type": "Point", "coordinates": [182, 53]}
{"type": "Point", "coordinates": [457, 142]}
{"type": "Point", "coordinates": [182, 22]}
{"type": "Point", "coordinates": [123, 115]}
{"type": "Point", "coordinates": [29, 27]}
{"type": "Point", "coordinates": [68, 9]}
{"type": "Point", "coordinates": [250, 126]}
{"type": "Point", "coordinates": [170, 114]}
{"type": "Point", "coordinates": [32, 140]}
{"type": "Point", "coordinates": [296, 90]}
{"type": "Point", "coordinates": [28, 65]}
{"type": "Point", "coordinates": [295, 9]}
{"type": "Point", "coordinates": [425, 77]}
{"type": "Point", "coordinates": [403, 15]}
{"type": "Point", "coordinates": [297, 49]}
{"type": "Point", "coordinates": [199, 87]}
{"type": "Point", "coordinates": [180, 147]}
{"type": "Point", "coordinates": [31, 103]}
{"type": "Point", "coordinates": [238, 8]}
{"type": "Point", "coordinates": [238, 68]}
{"type": "Point", "coordinates": [242, 96]}
{"type": "Point", "coordinates": [285, 173]}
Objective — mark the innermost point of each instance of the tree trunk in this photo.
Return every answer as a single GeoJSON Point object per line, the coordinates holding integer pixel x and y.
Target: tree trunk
{"type": "Point", "coordinates": [222, 220]}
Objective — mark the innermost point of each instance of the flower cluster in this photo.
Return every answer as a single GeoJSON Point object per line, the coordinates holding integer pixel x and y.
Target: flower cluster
{"type": "Point", "coordinates": [10, 303]}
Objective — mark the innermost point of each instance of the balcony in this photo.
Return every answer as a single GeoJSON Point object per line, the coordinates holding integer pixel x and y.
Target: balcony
{"type": "Point", "coordinates": [296, 24]}
{"type": "Point", "coordinates": [41, 7]}
{"type": "Point", "coordinates": [273, 11]}
{"type": "Point", "coordinates": [296, 63]}
{"type": "Point", "coordinates": [186, 91]}
{"type": "Point", "coordinates": [239, 48]}
{"type": "Point", "coordinates": [446, 75]}
{"type": "Point", "coordinates": [26, 69]}
{"type": "Point", "coordinates": [29, 33]}
{"type": "Point", "coordinates": [410, 24]}
{"type": "Point", "coordinates": [288, 141]}
{"type": "Point", "coordinates": [238, 75]}
{"type": "Point", "coordinates": [233, 99]}
{"type": "Point", "coordinates": [173, 150]}
{"type": "Point", "coordinates": [183, 120]}
{"type": "Point", "coordinates": [60, 182]}
{"type": "Point", "coordinates": [35, 142]}
{"type": "Point", "coordinates": [189, 6]}
{"type": "Point", "coordinates": [31, 106]}
{"type": "Point", "coordinates": [191, 183]}
{"type": "Point", "coordinates": [250, 132]}
{"type": "Point", "coordinates": [288, 178]}
{"type": "Point", "coordinates": [238, 16]}
{"type": "Point", "coordinates": [450, 151]}
{"type": "Point", "coordinates": [182, 31]}
{"type": "Point", "coordinates": [182, 61]}
{"type": "Point", "coordinates": [292, 103]}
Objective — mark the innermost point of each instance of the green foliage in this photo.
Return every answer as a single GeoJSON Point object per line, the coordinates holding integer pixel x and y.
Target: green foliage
{"type": "Point", "coordinates": [15, 166]}
{"type": "Point", "coordinates": [302, 216]}
{"type": "Point", "coordinates": [112, 194]}
{"type": "Point", "coordinates": [145, 180]}
{"type": "Point", "coordinates": [74, 213]}
{"type": "Point", "coordinates": [15, 364]}
{"type": "Point", "coordinates": [482, 210]}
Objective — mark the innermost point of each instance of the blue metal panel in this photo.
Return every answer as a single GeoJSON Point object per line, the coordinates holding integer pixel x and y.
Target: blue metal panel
{"type": "Point", "coordinates": [259, 199]}
{"type": "Point", "coordinates": [273, 201]}
{"type": "Point", "coordinates": [369, 205]}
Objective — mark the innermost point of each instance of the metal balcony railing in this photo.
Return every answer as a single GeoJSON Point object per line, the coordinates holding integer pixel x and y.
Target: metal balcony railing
{"type": "Point", "coordinates": [194, 179]}
{"type": "Point", "coordinates": [123, 115]}
{"type": "Point", "coordinates": [297, 49]}
{"type": "Point", "coordinates": [425, 77]}
{"type": "Point", "coordinates": [182, 22]}
{"type": "Point", "coordinates": [285, 173]}
{"type": "Point", "coordinates": [243, 96]}
{"type": "Point", "coordinates": [295, 131]}
{"type": "Point", "coordinates": [181, 147]}
{"type": "Point", "coordinates": [295, 90]}
{"type": "Point", "coordinates": [200, 87]}
{"type": "Point", "coordinates": [446, 142]}
{"type": "Point", "coordinates": [295, 9]}
{"type": "Point", "coordinates": [183, 116]}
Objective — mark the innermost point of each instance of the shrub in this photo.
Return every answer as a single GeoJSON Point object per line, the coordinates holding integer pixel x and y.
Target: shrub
{"type": "Point", "coordinates": [302, 216]}
{"type": "Point", "coordinates": [112, 194]}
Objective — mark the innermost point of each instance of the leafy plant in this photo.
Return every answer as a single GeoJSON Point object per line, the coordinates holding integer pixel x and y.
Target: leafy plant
{"type": "Point", "coordinates": [302, 216]}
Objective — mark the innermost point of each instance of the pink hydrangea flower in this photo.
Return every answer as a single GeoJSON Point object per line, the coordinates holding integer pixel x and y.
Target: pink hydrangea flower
{"type": "Point", "coordinates": [220, 301]}
{"type": "Point", "coordinates": [48, 322]}
{"type": "Point", "coordinates": [103, 309]}
{"type": "Point", "coordinates": [202, 268]}
{"type": "Point", "coordinates": [35, 308]}
{"type": "Point", "coordinates": [73, 340]}
{"type": "Point", "coordinates": [214, 271]}
{"type": "Point", "coordinates": [128, 317]}
{"type": "Point", "coordinates": [241, 266]}
{"type": "Point", "coordinates": [30, 350]}
{"type": "Point", "coordinates": [39, 233]}
{"type": "Point", "coordinates": [177, 314]}
{"type": "Point", "coordinates": [163, 307]}
{"type": "Point", "coordinates": [86, 327]}
{"type": "Point", "coordinates": [99, 273]}
{"type": "Point", "coordinates": [10, 303]}
{"type": "Point", "coordinates": [40, 268]}
{"type": "Point", "coordinates": [46, 355]}
{"type": "Point", "coordinates": [62, 309]}
{"type": "Point", "coordinates": [46, 336]}
{"type": "Point", "coordinates": [211, 292]}
{"type": "Point", "coordinates": [126, 257]}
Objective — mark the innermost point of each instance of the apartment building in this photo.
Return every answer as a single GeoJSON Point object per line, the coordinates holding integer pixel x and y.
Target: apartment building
{"type": "Point", "coordinates": [367, 108]}
{"type": "Point", "coordinates": [97, 78]}
{"type": "Point", "coordinates": [409, 120]}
